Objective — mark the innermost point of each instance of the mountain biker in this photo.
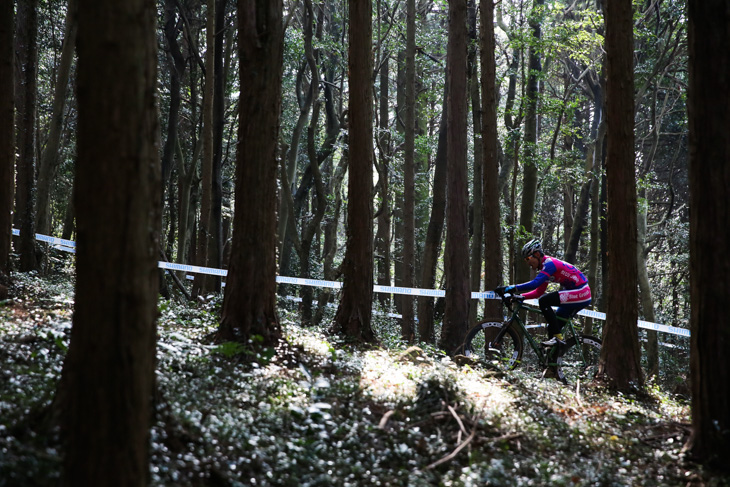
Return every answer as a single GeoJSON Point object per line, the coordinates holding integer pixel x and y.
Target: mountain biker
{"type": "Point", "coordinates": [574, 295]}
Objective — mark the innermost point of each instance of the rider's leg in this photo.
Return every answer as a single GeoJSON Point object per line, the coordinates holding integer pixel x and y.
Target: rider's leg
{"type": "Point", "coordinates": [546, 302]}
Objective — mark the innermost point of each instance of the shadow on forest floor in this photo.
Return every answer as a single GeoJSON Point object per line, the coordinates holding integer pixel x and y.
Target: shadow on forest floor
{"type": "Point", "coordinates": [315, 412]}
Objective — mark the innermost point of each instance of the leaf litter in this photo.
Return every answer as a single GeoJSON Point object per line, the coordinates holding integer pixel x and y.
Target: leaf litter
{"type": "Point", "coordinates": [316, 412]}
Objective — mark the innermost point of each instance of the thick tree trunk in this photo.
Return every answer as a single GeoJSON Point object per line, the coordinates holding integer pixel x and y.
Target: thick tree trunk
{"type": "Point", "coordinates": [249, 304]}
{"type": "Point", "coordinates": [7, 122]}
{"type": "Point", "coordinates": [25, 104]}
{"type": "Point", "coordinates": [355, 310]}
{"type": "Point", "coordinates": [709, 122]}
{"type": "Point", "coordinates": [108, 377]}
{"type": "Point", "coordinates": [619, 365]}
{"type": "Point", "coordinates": [492, 228]}
{"type": "Point", "coordinates": [456, 257]}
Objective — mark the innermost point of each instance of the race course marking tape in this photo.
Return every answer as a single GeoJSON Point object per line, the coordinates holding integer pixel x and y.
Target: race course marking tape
{"type": "Point", "coordinates": [70, 246]}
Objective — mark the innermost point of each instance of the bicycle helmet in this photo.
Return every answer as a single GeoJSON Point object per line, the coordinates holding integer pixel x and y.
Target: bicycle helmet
{"type": "Point", "coordinates": [530, 247]}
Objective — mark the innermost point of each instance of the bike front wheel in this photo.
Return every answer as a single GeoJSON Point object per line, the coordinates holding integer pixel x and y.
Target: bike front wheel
{"type": "Point", "coordinates": [578, 359]}
{"type": "Point", "coordinates": [496, 344]}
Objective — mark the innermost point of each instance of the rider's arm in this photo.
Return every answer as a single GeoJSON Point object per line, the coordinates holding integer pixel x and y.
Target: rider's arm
{"type": "Point", "coordinates": [540, 280]}
{"type": "Point", "coordinates": [536, 293]}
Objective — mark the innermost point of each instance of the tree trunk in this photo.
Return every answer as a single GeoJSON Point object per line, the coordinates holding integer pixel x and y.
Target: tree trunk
{"type": "Point", "coordinates": [7, 122]}
{"type": "Point", "coordinates": [434, 232]}
{"type": "Point", "coordinates": [529, 177]}
{"type": "Point", "coordinates": [215, 248]}
{"type": "Point", "coordinates": [304, 98]}
{"type": "Point", "coordinates": [409, 174]}
{"type": "Point", "coordinates": [330, 237]}
{"type": "Point", "coordinates": [249, 304]}
{"type": "Point", "coordinates": [709, 121]}
{"type": "Point", "coordinates": [647, 303]}
{"type": "Point", "coordinates": [382, 237]}
{"type": "Point", "coordinates": [108, 377]}
{"type": "Point", "coordinates": [477, 221]}
{"type": "Point", "coordinates": [619, 365]}
{"type": "Point", "coordinates": [355, 310]}
{"type": "Point", "coordinates": [203, 283]}
{"type": "Point", "coordinates": [456, 257]}
{"type": "Point", "coordinates": [49, 156]}
{"type": "Point", "coordinates": [25, 104]}
{"type": "Point", "coordinates": [492, 227]}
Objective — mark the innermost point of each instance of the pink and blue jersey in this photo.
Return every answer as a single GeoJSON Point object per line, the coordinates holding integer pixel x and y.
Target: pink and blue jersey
{"type": "Point", "coordinates": [575, 289]}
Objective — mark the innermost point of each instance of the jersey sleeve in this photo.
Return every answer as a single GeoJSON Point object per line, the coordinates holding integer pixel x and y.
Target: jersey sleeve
{"type": "Point", "coordinates": [541, 279]}
{"type": "Point", "coordinates": [536, 293]}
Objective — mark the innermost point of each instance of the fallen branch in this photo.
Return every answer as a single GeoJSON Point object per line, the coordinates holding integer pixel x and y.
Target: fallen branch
{"type": "Point", "coordinates": [458, 419]}
{"type": "Point", "coordinates": [384, 419]}
{"type": "Point", "coordinates": [453, 453]}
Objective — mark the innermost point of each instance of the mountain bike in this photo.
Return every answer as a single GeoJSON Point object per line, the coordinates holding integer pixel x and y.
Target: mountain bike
{"type": "Point", "coordinates": [502, 345]}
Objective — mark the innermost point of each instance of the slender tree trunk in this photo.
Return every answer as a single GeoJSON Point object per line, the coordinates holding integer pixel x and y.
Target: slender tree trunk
{"type": "Point", "coordinates": [647, 303]}
{"type": "Point", "coordinates": [215, 247]}
{"type": "Point", "coordinates": [477, 222]}
{"type": "Point", "coordinates": [529, 177]}
{"type": "Point", "coordinates": [203, 283]}
{"type": "Point", "coordinates": [456, 257]}
{"type": "Point", "coordinates": [490, 187]}
{"type": "Point", "coordinates": [27, 81]}
{"type": "Point", "coordinates": [382, 237]}
{"type": "Point", "coordinates": [330, 237]}
{"type": "Point", "coordinates": [249, 303]}
{"type": "Point", "coordinates": [108, 377]}
{"type": "Point", "coordinates": [304, 97]}
{"type": "Point", "coordinates": [409, 174]}
{"type": "Point", "coordinates": [619, 365]}
{"type": "Point", "coordinates": [434, 232]}
{"type": "Point", "coordinates": [49, 156]}
{"type": "Point", "coordinates": [709, 122]}
{"type": "Point", "coordinates": [7, 122]}
{"type": "Point", "coordinates": [355, 310]}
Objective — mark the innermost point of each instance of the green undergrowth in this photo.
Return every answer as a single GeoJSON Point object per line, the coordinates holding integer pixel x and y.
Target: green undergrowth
{"type": "Point", "coordinates": [316, 412]}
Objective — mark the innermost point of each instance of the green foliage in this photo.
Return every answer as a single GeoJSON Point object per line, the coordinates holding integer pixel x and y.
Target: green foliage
{"type": "Point", "coordinates": [320, 413]}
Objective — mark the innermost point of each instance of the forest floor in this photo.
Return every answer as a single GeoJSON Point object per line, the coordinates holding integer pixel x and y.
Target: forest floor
{"type": "Point", "coordinates": [315, 412]}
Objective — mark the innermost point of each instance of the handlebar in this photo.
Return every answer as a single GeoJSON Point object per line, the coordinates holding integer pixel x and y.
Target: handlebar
{"type": "Point", "coordinates": [508, 298]}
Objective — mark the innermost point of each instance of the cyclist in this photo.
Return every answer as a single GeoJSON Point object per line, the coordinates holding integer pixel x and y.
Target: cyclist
{"type": "Point", "coordinates": [574, 295]}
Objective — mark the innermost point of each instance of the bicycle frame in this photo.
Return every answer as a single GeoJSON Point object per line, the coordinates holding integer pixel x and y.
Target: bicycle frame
{"type": "Point", "coordinates": [546, 357]}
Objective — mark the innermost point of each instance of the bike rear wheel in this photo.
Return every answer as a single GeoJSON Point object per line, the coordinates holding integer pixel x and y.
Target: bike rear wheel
{"type": "Point", "coordinates": [578, 359]}
{"type": "Point", "coordinates": [484, 343]}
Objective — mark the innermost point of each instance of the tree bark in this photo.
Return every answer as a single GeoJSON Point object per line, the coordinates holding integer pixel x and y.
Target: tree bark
{"type": "Point", "coordinates": [529, 176]}
{"type": "Point", "coordinates": [355, 310]}
{"type": "Point", "coordinates": [409, 174]}
{"type": "Point", "coordinates": [434, 232]}
{"type": "Point", "coordinates": [382, 236]}
{"type": "Point", "coordinates": [709, 121]}
{"type": "Point", "coordinates": [108, 377]}
{"type": "Point", "coordinates": [492, 227]}
{"type": "Point", "coordinates": [456, 256]}
{"type": "Point", "coordinates": [204, 283]}
{"type": "Point", "coordinates": [25, 104]}
{"type": "Point", "coordinates": [249, 303]}
{"type": "Point", "coordinates": [7, 122]}
{"type": "Point", "coordinates": [619, 365]}
{"type": "Point", "coordinates": [477, 221]}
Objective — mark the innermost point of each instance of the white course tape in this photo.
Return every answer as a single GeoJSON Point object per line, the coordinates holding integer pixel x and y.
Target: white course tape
{"type": "Point", "coordinates": [69, 246]}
